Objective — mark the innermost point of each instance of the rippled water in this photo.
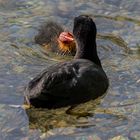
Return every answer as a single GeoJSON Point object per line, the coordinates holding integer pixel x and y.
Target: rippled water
{"type": "Point", "coordinates": [116, 116]}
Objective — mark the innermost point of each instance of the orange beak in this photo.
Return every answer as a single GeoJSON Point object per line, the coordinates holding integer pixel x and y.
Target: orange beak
{"type": "Point", "coordinates": [66, 37]}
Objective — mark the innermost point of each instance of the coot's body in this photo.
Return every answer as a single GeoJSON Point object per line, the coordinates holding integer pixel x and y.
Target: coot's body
{"type": "Point", "coordinates": [75, 81]}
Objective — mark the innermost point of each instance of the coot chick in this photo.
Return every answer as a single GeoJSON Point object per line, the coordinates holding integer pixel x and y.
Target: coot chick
{"type": "Point", "coordinates": [72, 82]}
{"type": "Point", "coordinates": [49, 38]}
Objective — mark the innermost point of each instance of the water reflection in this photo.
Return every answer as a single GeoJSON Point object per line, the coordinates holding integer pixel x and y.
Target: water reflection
{"type": "Point", "coordinates": [117, 116]}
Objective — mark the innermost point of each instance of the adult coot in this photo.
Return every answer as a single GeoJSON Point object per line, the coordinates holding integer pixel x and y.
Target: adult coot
{"type": "Point", "coordinates": [75, 81]}
{"type": "Point", "coordinates": [52, 37]}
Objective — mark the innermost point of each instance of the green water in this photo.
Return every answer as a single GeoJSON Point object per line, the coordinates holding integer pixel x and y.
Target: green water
{"type": "Point", "coordinates": [116, 116]}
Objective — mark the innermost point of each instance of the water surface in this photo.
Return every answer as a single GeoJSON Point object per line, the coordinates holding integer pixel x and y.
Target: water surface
{"type": "Point", "coordinates": [116, 116]}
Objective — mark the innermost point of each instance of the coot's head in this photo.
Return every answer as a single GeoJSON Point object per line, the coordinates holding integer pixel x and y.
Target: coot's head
{"type": "Point", "coordinates": [84, 32]}
{"type": "Point", "coordinates": [84, 27]}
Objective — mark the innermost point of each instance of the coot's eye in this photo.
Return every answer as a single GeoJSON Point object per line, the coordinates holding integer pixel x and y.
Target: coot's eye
{"type": "Point", "coordinates": [78, 32]}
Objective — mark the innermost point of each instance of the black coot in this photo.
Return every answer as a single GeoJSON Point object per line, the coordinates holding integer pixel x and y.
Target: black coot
{"type": "Point", "coordinates": [75, 81]}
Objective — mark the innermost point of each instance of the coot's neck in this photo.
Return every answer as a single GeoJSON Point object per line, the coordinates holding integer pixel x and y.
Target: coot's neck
{"type": "Point", "coordinates": [87, 50]}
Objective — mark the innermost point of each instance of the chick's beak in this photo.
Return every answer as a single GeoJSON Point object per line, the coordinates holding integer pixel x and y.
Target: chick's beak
{"type": "Point", "coordinates": [66, 37]}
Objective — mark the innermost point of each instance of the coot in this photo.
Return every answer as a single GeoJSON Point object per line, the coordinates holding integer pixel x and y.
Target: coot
{"type": "Point", "coordinates": [72, 82]}
{"type": "Point", "coordinates": [52, 37]}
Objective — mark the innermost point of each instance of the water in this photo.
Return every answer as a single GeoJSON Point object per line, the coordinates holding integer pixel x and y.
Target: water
{"type": "Point", "coordinates": [116, 116]}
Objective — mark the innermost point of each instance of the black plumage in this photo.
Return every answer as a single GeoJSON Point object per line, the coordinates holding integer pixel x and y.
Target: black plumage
{"type": "Point", "coordinates": [75, 81]}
